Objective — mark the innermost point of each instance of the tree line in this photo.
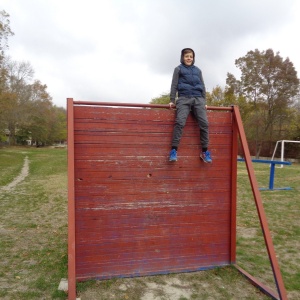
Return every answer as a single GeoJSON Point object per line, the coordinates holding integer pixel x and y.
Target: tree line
{"type": "Point", "coordinates": [26, 108]}
{"type": "Point", "coordinates": [267, 94]}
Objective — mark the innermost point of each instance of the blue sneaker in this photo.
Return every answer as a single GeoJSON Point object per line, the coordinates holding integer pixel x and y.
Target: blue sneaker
{"type": "Point", "coordinates": [173, 155]}
{"type": "Point", "coordinates": [205, 156]}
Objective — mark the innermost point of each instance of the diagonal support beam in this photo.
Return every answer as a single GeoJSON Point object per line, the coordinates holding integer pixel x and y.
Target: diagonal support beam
{"type": "Point", "coordinates": [260, 210]}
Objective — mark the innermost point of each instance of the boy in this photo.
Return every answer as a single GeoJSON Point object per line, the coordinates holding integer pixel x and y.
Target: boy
{"type": "Point", "coordinates": [188, 82]}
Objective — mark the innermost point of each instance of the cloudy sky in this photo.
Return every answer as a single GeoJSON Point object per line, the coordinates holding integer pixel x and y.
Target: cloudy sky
{"type": "Point", "coordinates": [126, 50]}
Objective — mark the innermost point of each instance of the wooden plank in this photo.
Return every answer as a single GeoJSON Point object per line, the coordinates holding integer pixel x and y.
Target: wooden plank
{"type": "Point", "coordinates": [260, 209]}
{"type": "Point", "coordinates": [71, 204]}
{"type": "Point", "coordinates": [139, 214]}
{"type": "Point", "coordinates": [233, 189]}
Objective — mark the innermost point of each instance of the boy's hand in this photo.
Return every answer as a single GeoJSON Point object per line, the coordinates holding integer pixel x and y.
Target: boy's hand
{"type": "Point", "coordinates": [171, 104]}
{"type": "Point", "coordinates": [206, 107]}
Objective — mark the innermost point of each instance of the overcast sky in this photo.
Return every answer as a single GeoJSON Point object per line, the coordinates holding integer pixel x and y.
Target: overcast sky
{"type": "Point", "coordinates": [126, 51]}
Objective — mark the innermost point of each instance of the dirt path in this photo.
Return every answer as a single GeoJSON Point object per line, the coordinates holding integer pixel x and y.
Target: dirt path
{"type": "Point", "coordinates": [23, 174]}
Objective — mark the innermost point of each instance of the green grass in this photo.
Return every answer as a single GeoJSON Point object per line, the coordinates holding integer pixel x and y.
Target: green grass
{"type": "Point", "coordinates": [11, 165]}
{"type": "Point", "coordinates": [282, 209]}
{"type": "Point", "coordinates": [33, 237]}
{"type": "Point", "coordinates": [33, 248]}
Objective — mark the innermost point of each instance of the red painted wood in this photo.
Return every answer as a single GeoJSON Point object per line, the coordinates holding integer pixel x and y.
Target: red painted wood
{"type": "Point", "coordinates": [233, 190]}
{"type": "Point", "coordinates": [260, 209]}
{"type": "Point", "coordinates": [139, 214]}
{"type": "Point", "coordinates": [133, 213]}
{"type": "Point", "coordinates": [71, 204]}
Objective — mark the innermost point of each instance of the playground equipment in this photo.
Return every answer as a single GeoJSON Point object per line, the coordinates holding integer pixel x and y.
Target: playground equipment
{"type": "Point", "coordinates": [282, 142]}
{"type": "Point", "coordinates": [134, 213]}
{"type": "Point", "coordinates": [272, 164]}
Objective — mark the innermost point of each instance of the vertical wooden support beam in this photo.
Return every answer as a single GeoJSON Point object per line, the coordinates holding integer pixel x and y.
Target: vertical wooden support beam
{"type": "Point", "coordinates": [233, 190]}
{"type": "Point", "coordinates": [71, 204]}
{"type": "Point", "coordinates": [260, 208]}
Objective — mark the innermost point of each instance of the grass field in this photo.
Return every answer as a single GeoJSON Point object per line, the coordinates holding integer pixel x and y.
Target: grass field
{"type": "Point", "coordinates": [33, 238]}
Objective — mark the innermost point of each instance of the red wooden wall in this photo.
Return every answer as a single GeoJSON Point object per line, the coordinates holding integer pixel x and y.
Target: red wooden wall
{"type": "Point", "coordinates": [136, 213]}
{"type": "Point", "coordinates": [131, 212]}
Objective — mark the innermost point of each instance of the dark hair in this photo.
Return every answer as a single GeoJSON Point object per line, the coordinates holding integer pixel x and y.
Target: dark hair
{"type": "Point", "coordinates": [188, 51]}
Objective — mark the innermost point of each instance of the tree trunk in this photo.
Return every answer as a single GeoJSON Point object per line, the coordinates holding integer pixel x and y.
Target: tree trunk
{"type": "Point", "coordinates": [12, 135]}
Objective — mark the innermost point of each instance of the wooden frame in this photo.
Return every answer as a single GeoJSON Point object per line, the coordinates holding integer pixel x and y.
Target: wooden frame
{"type": "Point", "coordinates": [124, 147]}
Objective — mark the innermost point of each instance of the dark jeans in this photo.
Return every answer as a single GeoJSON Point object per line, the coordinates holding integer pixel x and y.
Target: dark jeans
{"type": "Point", "coordinates": [184, 106]}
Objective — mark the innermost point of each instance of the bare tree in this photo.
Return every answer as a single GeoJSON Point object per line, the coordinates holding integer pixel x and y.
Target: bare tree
{"type": "Point", "coordinates": [5, 30]}
{"type": "Point", "coordinates": [17, 97]}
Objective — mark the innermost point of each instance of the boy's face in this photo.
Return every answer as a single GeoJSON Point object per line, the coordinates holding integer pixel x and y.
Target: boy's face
{"type": "Point", "coordinates": [188, 58]}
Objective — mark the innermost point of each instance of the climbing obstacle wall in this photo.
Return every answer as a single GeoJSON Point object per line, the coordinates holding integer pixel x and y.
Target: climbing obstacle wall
{"type": "Point", "coordinates": [131, 212]}
{"type": "Point", "coordinates": [136, 213]}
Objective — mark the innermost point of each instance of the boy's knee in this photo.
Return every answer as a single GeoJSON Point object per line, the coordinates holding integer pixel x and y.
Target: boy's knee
{"type": "Point", "coordinates": [181, 120]}
{"type": "Point", "coordinates": [205, 124]}
{"type": "Point", "coordinates": [180, 123]}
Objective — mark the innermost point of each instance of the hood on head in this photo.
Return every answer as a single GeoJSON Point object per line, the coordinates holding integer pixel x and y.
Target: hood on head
{"type": "Point", "coordinates": [181, 58]}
